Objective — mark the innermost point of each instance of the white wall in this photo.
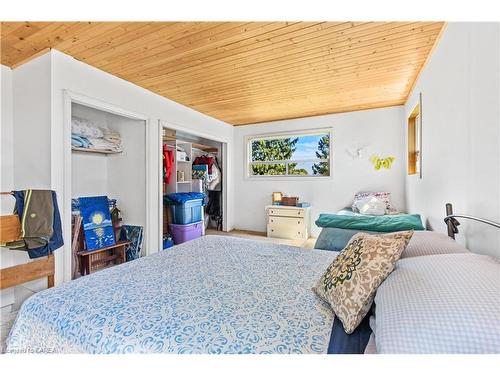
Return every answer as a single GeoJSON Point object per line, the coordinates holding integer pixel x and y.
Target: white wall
{"type": "Point", "coordinates": [7, 165]}
{"type": "Point", "coordinates": [7, 136]}
{"type": "Point", "coordinates": [32, 153]}
{"type": "Point", "coordinates": [89, 172]}
{"type": "Point", "coordinates": [127, 172]}
{"type": "Point", "coordinates": [29, 144]}
{"type": "Point", "coordinates": [461, 133]}
{"type": "Point", "coordinates": [380, 129]}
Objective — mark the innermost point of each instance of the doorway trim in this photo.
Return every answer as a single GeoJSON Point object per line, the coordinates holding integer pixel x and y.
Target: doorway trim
{"type": "Point", "coordinates": [224, 142]}
{"type": "Point", "coordinates": [69, 98]}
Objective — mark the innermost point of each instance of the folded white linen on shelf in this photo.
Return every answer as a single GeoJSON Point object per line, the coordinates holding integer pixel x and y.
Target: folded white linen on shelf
{"type": "Point", "coordinates": [111, 136]}
{"type": "Point", "coordinates": [102, 144]}
{"type": "Point", "coordinates": [85, 128]}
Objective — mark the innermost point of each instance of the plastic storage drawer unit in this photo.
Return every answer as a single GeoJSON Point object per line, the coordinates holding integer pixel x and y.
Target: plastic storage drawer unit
{"type": "Point", "coordinates": [186, 232]}
{"type": "Point", "coordinates": [187, 212]}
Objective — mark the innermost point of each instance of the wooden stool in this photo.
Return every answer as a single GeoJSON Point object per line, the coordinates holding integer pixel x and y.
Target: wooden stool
{"type": "Point", "coordinates": [93, 260]}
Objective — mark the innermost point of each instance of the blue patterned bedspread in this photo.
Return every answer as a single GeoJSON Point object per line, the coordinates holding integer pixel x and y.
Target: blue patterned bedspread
{"type": "Point", "coordinates": [212, 295]}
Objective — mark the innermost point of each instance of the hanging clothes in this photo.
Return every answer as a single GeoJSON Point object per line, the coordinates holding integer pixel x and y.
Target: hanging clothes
{"type": "Point", "coordinates": [168, 163]}
{"type": "Point", "coordinates": [41, 229]}
{"type": "Point", "coordinates": [215, 178]}
{"type": "Point", "coordinates": [214, 208]}
{"type": "Point", "coordinates": [205, 159]}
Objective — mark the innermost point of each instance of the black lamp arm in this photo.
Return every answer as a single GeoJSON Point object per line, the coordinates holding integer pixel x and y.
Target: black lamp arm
{"type": "Point", "coordinates": [453, 223]}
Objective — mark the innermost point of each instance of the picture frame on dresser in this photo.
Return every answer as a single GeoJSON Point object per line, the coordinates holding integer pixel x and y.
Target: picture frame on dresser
{"type": "Point", "coordinates": [276, 199]}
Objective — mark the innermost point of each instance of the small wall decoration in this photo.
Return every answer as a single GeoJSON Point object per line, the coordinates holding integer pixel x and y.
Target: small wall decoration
{"type": "Point", "coordinates": [379, 163]}
{"type": "Point", "coordinates": [357, 151]}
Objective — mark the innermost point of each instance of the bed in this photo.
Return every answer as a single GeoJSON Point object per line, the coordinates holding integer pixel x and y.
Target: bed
{"type": "Point", "coordinates": [220, 294]}
{"type": "Point", "coordinates": [216, 294]}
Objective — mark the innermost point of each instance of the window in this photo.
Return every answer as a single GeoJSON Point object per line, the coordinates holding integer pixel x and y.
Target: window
{"type": "Point", "coordinates": [304, 154]}
{"type": "Point", "coordinates": [414, 142]}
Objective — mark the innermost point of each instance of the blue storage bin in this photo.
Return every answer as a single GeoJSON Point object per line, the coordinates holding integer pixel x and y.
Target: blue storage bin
{"type": "Point", "coordinates": [188, 212]}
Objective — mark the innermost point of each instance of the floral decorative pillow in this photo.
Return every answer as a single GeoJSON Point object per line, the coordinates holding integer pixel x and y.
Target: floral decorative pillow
{"type": "Point", "coordinates": [382, 195]}
{"type": "Point", "coordinates": [350, 282]}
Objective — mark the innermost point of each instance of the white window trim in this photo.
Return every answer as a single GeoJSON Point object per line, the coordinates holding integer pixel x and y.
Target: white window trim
{"type": "Point", "coordinates": [286, 134]}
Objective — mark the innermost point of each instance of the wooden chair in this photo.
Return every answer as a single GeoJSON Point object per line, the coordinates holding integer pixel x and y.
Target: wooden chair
{"type": "Point", "coordinates": [10, 230]}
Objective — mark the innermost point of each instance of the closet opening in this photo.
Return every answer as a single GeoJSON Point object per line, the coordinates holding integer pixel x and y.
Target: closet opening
{"type": "Point", "coordinates": [191, 165]}
{"type": "Point", "coordinates": [108, 167]}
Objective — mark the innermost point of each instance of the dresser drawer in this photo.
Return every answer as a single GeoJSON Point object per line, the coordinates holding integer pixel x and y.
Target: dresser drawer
{"type": "Point", "coordinates": [286, 231]}
{"type": "Point", "coordinates": [286, 212]}
{"type": "Point", "coordinates": [288, 221]}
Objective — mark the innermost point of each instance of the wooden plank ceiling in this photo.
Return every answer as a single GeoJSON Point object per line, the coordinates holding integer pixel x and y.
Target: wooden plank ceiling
{"type": "Point", "coordinates": [244, 72]}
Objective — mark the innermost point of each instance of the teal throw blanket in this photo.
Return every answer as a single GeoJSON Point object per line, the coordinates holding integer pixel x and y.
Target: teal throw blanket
{"type": "Point", "coordinates": [386, 223]}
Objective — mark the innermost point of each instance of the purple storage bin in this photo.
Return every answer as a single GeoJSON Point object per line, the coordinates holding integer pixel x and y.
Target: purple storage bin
{"type": "Point", "coordinates": [186, 232]}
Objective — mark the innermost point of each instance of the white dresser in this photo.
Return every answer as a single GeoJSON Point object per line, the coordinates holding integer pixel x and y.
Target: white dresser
{"type": "Point", "coordinates": [288, 222]}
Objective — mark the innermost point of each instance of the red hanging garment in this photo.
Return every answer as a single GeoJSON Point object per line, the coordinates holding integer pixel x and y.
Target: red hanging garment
{"type": "Point", "coordinates": [168, 162]}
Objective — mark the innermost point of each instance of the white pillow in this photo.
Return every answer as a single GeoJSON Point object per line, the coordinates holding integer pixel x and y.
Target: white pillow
{"type": "Point", "coordinates": [383, 195]}
{"type": "Point", "coordinates": [371, 206]}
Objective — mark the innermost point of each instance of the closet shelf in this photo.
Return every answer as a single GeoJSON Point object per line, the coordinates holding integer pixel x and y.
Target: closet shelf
{"type": "Point", "coordinates": [93, 150]}
{"type": "Point", "coordinates": [184, 182]}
